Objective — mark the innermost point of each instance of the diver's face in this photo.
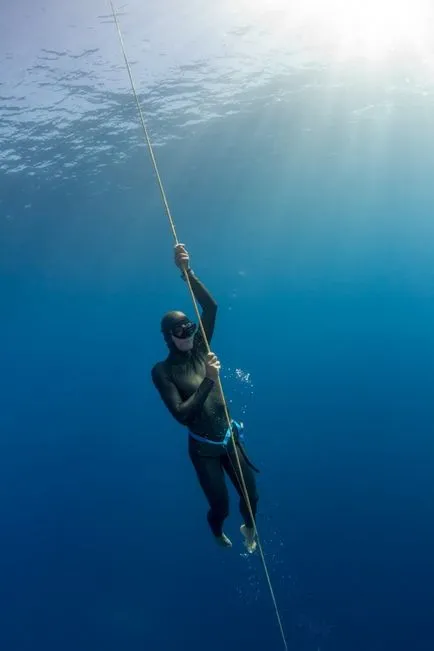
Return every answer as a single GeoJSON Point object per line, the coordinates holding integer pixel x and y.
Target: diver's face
{"type": "Point", "coordinates": [184, 345]}
{"type": "Point", "coordinates": [183, 333]}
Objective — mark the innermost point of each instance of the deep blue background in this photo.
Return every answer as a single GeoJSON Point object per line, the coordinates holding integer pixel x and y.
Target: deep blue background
{"type": "Point", "coordinates": [317, 245]}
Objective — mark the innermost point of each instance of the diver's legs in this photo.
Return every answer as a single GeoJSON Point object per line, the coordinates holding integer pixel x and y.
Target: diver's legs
{"type": "Point", "coordinates": [231, 467]}
{"type": "Point", "coordinates": [212, 480]}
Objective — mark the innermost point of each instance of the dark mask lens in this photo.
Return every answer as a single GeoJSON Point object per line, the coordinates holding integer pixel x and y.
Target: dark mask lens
{"type": "Point", "coordinates": [184, 330]}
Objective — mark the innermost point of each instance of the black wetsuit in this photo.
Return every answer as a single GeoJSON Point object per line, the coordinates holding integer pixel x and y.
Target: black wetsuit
{"type": "Point", "coordinates": [195, 401]}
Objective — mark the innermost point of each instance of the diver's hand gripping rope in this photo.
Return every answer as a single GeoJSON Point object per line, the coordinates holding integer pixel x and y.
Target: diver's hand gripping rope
{"type": "Point", "coordinates": [219, 384]}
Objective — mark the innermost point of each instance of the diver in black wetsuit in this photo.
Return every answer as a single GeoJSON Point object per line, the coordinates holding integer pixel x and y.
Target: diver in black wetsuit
{"type": "Point", "coordinates": [187, 382]}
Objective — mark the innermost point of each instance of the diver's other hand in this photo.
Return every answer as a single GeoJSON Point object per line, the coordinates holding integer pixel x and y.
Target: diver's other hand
{"type": "Point", "coordinates": [182, 259]}
{"type": "Point", "coordinates": [212, 366]}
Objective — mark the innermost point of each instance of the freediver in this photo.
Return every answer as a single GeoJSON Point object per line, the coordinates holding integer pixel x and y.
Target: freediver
{"type": "Point", "coordinates": [187, 381]}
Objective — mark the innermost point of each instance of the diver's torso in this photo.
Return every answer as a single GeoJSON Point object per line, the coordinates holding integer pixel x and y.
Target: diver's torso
{"type": "Point", "coordinates": [187, 372]}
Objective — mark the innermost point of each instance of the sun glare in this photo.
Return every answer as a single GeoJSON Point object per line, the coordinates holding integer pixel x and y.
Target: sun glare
{"type": "Point", "coordinates": [375, 28]}
{"type": "Point", "coordinates": [371, 29]}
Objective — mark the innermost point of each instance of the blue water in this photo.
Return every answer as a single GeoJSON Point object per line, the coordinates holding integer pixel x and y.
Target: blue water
{"type": "Point", "coordinates": [301, 183]}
